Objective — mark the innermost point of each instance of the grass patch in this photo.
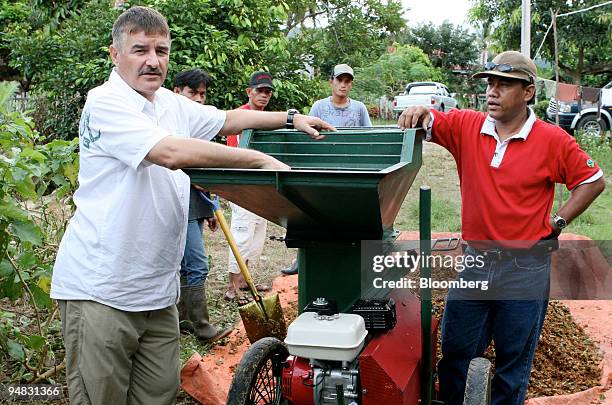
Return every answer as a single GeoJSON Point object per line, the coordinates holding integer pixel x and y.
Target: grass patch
{"type": "Point", "coordinates": [445, 216]}
{"type": "Point", "coordinates": [595, 221]}
{"type": "Point", "coordinates": [439, 172]}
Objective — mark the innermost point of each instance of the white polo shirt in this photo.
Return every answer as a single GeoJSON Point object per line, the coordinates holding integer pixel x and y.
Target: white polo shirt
{"type": "Point", "coordinates": [124, 245]}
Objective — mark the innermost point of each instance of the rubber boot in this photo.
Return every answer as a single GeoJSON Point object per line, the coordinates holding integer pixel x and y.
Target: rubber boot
{"type": "Point", "coordinates": [185, 324]}
{"type": "Point", "coordinates": [197, 311]}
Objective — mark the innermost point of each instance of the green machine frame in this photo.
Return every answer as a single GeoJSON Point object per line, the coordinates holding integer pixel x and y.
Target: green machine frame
{"type": "Point", "coordinates": [342, 190]}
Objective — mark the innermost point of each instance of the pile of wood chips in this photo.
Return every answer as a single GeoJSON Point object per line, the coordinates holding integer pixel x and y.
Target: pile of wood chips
{"type": "Point", "coordinates": [566, 360]}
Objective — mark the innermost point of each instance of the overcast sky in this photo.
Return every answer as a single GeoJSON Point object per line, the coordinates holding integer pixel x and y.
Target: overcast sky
{"type": "Point", "coordinates": [436, 11]}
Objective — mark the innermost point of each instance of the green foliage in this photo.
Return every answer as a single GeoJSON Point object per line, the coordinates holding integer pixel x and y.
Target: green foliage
{"type": "Point", "coordinates": [595, 221]}
{"type": "Point", "coordinates": [48, 14]}
{"type": "Point", "coordinates": [37, 183]}
{"type": "Point", "coordinates": [390, 73]}
{"type": "Point", "coordinates": [598, 148]}
{"type": "Point", "coordinates": [449, 47]}
{"type": "Point", "coordinates": [540, 109]}
{"type": "Point", "coordinates": [228, 38]}
{"type": "Point", "coordinates": [62, 65]}
{"type": "Point", "coordinates": [343, 31]}
{"type": "Point", "coordinates": [583, 38]}
{"type": "Point", "coordinates": [446, 45]}
{"type": "Point", "coordinates": [12, 14]}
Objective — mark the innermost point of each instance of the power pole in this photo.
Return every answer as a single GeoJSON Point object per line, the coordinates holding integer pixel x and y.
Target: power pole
{"type": "Point", "coordinates": [526, 28]}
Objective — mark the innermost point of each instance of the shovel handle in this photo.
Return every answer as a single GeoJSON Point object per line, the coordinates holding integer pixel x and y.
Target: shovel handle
{"type": "Point", "coordinates": [241, 264]}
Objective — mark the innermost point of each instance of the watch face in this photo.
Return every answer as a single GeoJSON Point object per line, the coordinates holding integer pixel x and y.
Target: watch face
{"type": "Point", "coordinates": [560, 222]}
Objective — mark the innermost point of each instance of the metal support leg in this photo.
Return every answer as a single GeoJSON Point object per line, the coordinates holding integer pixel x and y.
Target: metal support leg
{"type": "Point", "coordinates": [426, 349]}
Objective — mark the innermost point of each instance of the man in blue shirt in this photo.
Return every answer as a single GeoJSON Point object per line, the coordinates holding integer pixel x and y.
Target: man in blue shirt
{"type": "Point", "coordinates": [338, 109]}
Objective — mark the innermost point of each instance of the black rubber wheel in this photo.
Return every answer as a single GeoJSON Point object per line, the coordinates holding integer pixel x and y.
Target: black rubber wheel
{"type": "Point", "coordinates": [258, 375]}
{"type": "Point", "coordinates": [590, 126]}
{"type": "Point", "coordinates": [478, 383]}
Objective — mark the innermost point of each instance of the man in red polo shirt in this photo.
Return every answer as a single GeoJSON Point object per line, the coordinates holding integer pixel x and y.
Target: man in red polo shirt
{"type": "Point", "coordinates": [508, 162]}
{"type": "Point", "coordinates": [248, 229]}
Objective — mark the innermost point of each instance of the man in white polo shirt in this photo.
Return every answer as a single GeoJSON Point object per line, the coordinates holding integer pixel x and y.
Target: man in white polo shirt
{"type": "Point", "coordinates": [116, 275]}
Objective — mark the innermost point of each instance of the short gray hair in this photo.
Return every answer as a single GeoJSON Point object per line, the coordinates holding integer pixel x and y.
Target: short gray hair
{"type": "Point", "coordinates": [136, 19]}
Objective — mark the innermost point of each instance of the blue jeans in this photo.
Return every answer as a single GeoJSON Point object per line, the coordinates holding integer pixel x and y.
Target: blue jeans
{"type": "Point", "coordinates": [511, 313]}
{"type": "Point", "coordinates": [194, 266]}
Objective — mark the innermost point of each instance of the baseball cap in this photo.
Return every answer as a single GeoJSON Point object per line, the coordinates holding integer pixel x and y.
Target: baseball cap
{"type": "Point", "coordinates": [341, 70]}
{"type": "Point", "coordinates": [261, 79]}
{"type": "Point", "coordinates": [511, 64]}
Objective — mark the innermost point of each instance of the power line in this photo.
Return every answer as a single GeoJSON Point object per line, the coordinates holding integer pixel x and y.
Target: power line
{"type": "Point", "coordinates": [566, 14]}
{"type": "Point", "coordinates": [585, 9]}
{"type": "Point", "coordinates": [543, 39]}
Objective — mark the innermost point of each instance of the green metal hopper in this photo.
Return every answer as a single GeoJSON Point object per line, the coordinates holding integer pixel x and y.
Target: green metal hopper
{"type": "Point", "coordinates": [341, 190]}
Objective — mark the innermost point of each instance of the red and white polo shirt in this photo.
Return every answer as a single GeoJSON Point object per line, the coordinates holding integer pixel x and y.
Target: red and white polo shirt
{"type": "Point", "coordinates": [507, 187]}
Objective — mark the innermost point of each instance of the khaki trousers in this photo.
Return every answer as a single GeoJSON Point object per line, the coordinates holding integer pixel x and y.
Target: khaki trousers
{"type": "Point", "coordinates": [118, 357]}
{"type": "Point", "coordinates": [249, 232]}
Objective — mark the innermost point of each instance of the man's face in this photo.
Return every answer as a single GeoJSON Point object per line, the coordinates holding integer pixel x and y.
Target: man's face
{"type": "Point", "coordinates": [259, 97]}
{"type": "Point", "coordinates": [342, 85]}
{"type": "Point", "coordinates": [142, 61]}
{"type": "Point", "coordinates": [507, 97]}
{"type": "Point", "coordinates": [198, 95]}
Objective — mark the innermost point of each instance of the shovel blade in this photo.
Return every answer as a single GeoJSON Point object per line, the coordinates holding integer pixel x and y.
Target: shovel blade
{"type": "Point", "coordinates": [258, 324]}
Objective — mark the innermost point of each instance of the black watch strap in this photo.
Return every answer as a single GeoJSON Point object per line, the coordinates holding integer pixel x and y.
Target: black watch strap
{"type": "Point", "coordinates": [290, 114]}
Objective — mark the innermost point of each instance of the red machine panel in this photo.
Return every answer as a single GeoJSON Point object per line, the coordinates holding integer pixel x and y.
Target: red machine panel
{"type": "Point", "coordinates": [389, 366]}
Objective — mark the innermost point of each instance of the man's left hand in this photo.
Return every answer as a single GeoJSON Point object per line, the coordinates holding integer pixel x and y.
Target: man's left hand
{"type": "Point", "coordinates": [311, 125]}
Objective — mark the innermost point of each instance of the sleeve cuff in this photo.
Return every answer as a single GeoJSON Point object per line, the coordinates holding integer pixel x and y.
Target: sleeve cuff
{"type": "Point", "coordinates": [429, 127]}
{"type": "Point", "coordinates": [591, 179]}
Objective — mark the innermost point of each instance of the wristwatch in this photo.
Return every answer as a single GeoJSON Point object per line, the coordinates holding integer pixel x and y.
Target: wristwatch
{"type": "Point", "coordinates": [559, 222]}
{"type": "Point", "coordinates": [290, 114]}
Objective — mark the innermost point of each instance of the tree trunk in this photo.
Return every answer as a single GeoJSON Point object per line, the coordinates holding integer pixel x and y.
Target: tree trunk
{"type": "Point", "coordinates": [579, 66]}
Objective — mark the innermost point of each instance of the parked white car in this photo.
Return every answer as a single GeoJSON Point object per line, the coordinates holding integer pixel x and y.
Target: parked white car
{"type": "Point", "coordinates": [430, 94]}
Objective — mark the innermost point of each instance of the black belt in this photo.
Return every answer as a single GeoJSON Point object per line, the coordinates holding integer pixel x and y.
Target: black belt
{"type": "Point", "coordinates": [541, 248]}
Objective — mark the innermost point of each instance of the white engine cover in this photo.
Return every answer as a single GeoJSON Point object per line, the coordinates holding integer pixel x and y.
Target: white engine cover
{"type": "Point", "coordinates": [338, 337]}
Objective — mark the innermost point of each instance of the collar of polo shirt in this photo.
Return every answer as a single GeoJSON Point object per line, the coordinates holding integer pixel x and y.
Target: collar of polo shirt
{"type": "Point", "coordinates": [488, 127]}
{"type": "Point", "coordinates": [137, 99]}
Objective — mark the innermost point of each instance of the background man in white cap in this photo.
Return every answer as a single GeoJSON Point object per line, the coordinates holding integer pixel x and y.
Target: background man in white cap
{"type": "Point", "coordinates": [508, 162]}
{"type": "Point", "coordinates": [338, 109]}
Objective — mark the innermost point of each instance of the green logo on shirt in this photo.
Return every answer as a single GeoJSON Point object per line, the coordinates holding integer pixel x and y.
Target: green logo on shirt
{"type": "Point", "coordinates": [85, 132]}
{"type": "Point", "coordinates": [590, 163]}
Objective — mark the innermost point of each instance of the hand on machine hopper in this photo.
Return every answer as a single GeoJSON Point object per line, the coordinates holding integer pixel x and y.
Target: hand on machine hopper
{"type": "Point", "coordinates": [311, 125]}
{"type": "Point", "coordinates": [413, 117]}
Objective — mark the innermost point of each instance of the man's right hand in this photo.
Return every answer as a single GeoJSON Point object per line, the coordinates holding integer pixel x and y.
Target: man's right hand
{"type": "Point", "coordinates": [311, 125]}
{"type": "Point", "coordinates": [271, 163]}
{"type": "Point", "coordinates": [414, 117]}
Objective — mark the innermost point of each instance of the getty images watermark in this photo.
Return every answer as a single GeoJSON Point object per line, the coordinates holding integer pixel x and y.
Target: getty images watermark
{"type": "Point", "coordinates": [409, 262]}
{"type": "Point", "coordinates": [530, 270]}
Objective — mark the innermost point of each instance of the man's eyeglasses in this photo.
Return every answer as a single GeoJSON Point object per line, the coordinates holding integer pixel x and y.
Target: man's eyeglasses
{"type": "Point", "coordinates": [264, 90]}
{"type": "Point", "coordinates": [506, 68]}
